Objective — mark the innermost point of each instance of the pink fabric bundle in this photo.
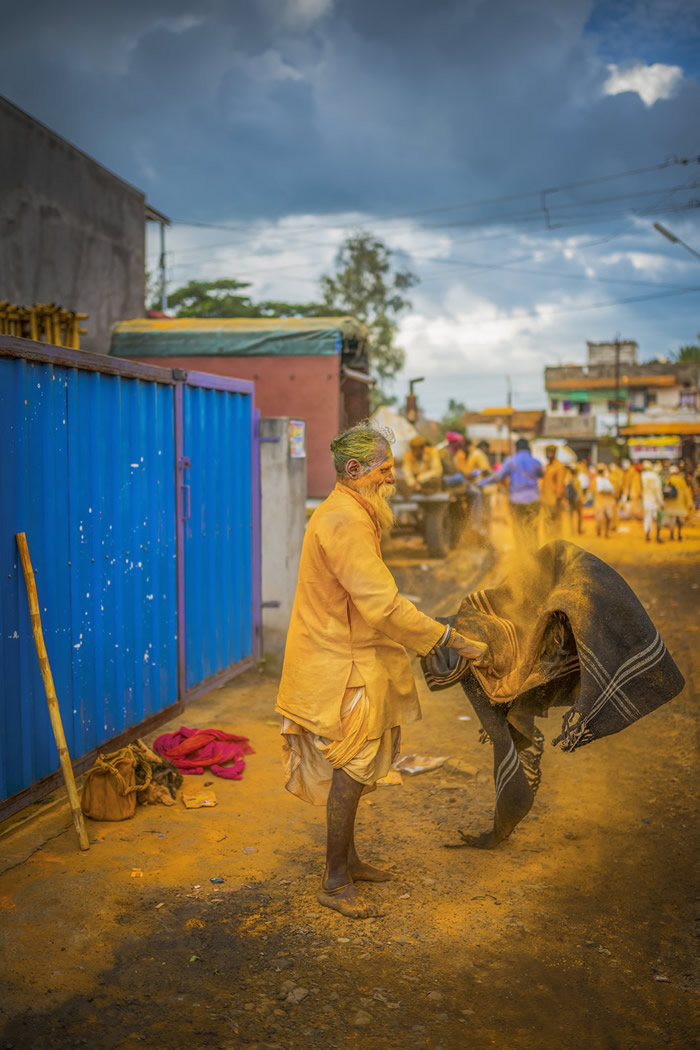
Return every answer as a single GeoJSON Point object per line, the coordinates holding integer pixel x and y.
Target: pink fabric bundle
{"type": "Point", "coordinates": [197, 751]}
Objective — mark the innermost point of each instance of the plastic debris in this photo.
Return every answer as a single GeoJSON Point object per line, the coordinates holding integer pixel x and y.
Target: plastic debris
{"type": "Point", "coordinates": [136, 873]}
{"type": "Point", "coordinates": [393, 777]}
{"type": "Point", "coordinates": [160, 905]}
{"type": "Point", "coordinates": [464, 718]}
{"type": "Point", "coordinates": [216, 878]}
{"type": "Point", "coordinates": [662, 978]}
{"type": "Point", "coordinates": [646, 820]}
{"type": "Point", "coordinates": [249, 849]}
{"type": "Point", "coordinates": [413, 764]}
{"type": "Point", "coordinates": [198, 799]}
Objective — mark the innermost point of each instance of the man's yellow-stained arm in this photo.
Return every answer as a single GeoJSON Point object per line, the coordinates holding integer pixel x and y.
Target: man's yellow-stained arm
{"type": "Point", "coordinates": [350, 548]}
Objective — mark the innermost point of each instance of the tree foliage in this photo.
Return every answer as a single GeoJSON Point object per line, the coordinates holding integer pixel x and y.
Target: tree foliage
{"type": "Point", "coordinates": [366, 286]}
{"type": "Point", "coordinates": [224, 298]}
{"type": "Point", "coordinates": [452, 419]}
{"type": "Point", "coordinates": [687, 355]}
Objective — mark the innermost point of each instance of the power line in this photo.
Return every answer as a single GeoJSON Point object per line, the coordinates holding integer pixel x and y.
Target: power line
{"type": "Point", "coordinates": [514, 218]}
{"type": "Point", "coordinates": [546, 190]}
{"type": "Point", "coordinates": [470, 321]}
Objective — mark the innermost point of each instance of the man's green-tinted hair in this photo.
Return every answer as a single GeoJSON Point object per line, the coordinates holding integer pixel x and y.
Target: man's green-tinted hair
{"type": "Point", "coordinates": [366, 443]}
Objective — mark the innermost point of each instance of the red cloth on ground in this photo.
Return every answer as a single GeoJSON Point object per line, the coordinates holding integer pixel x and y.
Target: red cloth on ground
{"type": "Point", "coordinates": [200, 750]}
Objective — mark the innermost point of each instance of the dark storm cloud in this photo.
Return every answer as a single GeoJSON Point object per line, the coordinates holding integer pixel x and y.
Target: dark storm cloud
{"type": "Point", "coordinates": [263, 108]}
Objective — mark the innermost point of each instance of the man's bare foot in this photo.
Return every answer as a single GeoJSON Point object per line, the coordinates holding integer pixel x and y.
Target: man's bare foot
{"type": "Point", "coordinates": [361, 872]}
{"type": "Point", "coordinates": [347, 901]}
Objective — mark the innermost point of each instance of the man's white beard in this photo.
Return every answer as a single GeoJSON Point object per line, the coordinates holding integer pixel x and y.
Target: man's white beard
{"type": "Point", "coordinates": [378, 497]}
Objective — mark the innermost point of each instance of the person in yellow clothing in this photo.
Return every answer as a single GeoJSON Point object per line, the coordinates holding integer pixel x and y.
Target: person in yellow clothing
{"type": "Point", "coordinates": [347, 684]}
{"type": "Point", "coordinates": [632, 488]}
{"type": "Point", "coordinates": [603, 501]}
{"type": "Point", "coordinates": [477, 460]}
{"type": "Point", "coordinates": [422, 467]}
{"type": "Point", "coordinates": [552, 493]}
{"type": "Point", "coordinates": [617, 480]}
{"type": "Point", "coordinates": [679, 506]}
{"type": "Point", "coordinates": [574, 498]}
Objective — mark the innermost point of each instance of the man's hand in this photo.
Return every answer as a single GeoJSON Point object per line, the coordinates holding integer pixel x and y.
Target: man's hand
{"type": "Point", "coordinates": [478, 652]}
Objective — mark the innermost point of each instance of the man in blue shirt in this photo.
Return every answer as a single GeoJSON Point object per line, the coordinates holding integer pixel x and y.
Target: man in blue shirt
{"type": "Point", "coordinates": [523, 472]}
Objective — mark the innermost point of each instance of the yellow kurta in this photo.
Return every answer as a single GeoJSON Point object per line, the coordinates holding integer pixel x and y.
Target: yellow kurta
{"type": "Point", "coordinates": [476, 460]}
{"type": "Point", "coordinates": [349, 625]}
{"type": "Point", "coordinates": [553, 482]}
{"type": "Point", "coordinates": [632, 484]}
{"type": "Point", "coordinates": [425, 469]}
{"type": "Point", "coordinates": [682, 504]}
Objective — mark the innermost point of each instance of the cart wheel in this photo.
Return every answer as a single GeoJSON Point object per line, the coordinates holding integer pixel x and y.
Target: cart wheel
{"type": "Point", "coordinates": [437, 531]}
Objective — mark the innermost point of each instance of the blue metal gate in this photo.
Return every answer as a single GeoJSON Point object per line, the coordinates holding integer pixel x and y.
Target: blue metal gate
{"type": "Point", "coordinates": [218, 508]}
{"type": "Point", "coordinates": [146, 562]}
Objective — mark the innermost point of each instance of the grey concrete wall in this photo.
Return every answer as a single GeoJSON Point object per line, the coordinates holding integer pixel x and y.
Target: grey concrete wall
{"type": "Point", "coordinates": [71, 232]}
{"type": "Point", "coordinates": [283, 494]}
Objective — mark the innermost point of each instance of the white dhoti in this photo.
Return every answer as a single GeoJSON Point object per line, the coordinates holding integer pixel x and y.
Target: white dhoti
{"type": "Point", "coordinates": [309, 760]}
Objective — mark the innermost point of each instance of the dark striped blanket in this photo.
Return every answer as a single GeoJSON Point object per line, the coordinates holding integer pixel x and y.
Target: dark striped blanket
{"type": "Point", "coordinates": [564, 631]}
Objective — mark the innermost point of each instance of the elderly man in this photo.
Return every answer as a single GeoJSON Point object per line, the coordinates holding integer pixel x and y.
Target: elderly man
{"type": "Point", "coordinates": [347, 684]}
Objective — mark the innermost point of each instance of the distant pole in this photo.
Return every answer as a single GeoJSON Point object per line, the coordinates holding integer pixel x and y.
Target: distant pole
{"type": "Point", "coordinates": [617, 388]}
{"type": "Point", "coordinates": [510, 405]}
{"type": "Point", "coordinates": [163, 288]}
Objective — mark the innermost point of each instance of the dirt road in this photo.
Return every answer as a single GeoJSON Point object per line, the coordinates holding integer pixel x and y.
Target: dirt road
{"type": "Point", "coordinates": [577, 932]}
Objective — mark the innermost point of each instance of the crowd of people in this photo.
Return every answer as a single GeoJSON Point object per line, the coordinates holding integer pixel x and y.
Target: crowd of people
{"type": "Point", "coordinates": [541, 496]}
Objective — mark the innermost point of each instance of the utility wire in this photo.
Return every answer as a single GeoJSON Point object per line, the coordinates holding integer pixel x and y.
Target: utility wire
{"type": "Point", "coordinates": [670, 162]}
{"type": "Point", "coordinates": [514, 218]}
{"type": "Point", "coordinates": [470, 321]}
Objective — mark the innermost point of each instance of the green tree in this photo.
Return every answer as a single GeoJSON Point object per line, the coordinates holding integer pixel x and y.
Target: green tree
{"type": "Point", "coordinates": [452, 419]}
{"type": "Point", "coordinates": [366, 286]}
{"type": "Point", "coordinates": [223, 298]}
{"type": "Point", "coordinates": [687, 355]}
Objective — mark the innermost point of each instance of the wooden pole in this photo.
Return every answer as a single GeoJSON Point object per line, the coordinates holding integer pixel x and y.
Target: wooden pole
{"type": "Point", "coordinates": [50, 690]}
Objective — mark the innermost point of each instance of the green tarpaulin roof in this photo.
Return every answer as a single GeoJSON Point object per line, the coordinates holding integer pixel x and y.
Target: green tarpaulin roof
{"type": "Point", "coordinates": [235, 337]}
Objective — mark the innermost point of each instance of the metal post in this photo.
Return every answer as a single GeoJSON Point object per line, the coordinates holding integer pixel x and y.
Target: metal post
{"type": "Point", "coordinates": [617, 389]}
{"type": "Point", "coordinates": [256, 525]}
{"type": "Point", "coordinates": [163, 278]}
{"type": "Point", "coordinates": [510, 405]}
{"type": "Point", "coordinates": [178, 394]}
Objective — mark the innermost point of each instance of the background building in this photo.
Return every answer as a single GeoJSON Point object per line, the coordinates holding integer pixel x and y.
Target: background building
{"type": "Point", "coordinates": [501, 427]}
{"type": "Point", "coordinates": [308, 368]}
{"type": "Point", "coordinates": [71, 232]}
{"type": "Point", "coordinates": [613, 394]}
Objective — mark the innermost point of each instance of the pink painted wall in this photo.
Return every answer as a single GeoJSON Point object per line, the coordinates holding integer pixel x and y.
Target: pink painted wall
{"type": "Point", "coordinates": [304, 387]}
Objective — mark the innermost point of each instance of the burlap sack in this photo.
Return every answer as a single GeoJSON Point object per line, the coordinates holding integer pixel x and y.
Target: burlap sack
{"type": "Point", "coordinates": [109, 790]}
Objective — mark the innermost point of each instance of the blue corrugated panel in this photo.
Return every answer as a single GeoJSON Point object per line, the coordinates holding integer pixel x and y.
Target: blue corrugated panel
{"type": "Point", "coordinates": [217, 434]}
{"type": "Point", "coordinates": [87, 473]}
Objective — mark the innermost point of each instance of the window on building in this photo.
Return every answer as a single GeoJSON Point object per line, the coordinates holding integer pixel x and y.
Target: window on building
{"type": "Point", "coordinates": [565, 406]}
{"type": "Point", "coordinates": [638, 400]}
{"type": "Point", "coordinates": [616, 406]}
{"type": "Point", "coordinates": [688, 399]}
{"type": "Point", "coordinates": [584, 408]}
{"type": "Point", "coordinates": [554, 404]}
{"type": "Point", "coordinates": [652, 397]}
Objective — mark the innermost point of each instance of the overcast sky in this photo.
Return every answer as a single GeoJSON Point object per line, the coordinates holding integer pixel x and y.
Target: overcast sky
{"type": "Point", "coordinates": [296, 122]}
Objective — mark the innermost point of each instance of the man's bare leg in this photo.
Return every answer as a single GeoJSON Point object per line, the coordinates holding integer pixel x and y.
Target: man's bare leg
{"type": "Point", "coordinates": [362, 872]}
{"type": "Point", "coordinates": [337, 888]}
